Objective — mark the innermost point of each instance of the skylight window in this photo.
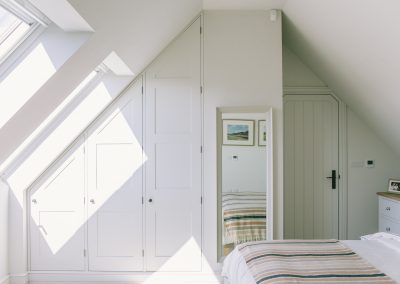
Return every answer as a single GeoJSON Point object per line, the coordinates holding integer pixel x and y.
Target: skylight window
{"type": "Point", "coordinates": [13, 30]}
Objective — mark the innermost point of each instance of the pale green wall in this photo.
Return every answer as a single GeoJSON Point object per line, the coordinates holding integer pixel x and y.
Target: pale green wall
{"type": "Point", "coordinates": [296, 73]}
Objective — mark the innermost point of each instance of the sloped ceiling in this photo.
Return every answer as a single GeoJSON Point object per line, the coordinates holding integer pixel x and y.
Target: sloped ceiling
{"type": "Point", "coordinates": [351, 45]}
{"type": "Point", "coordinates": [137, 30]}
{"type": "Point", "coordinates": [354, 47]}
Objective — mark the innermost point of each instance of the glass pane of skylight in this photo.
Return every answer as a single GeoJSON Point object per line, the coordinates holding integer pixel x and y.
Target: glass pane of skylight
{"type": "Point", "coordinates": [12, 30]}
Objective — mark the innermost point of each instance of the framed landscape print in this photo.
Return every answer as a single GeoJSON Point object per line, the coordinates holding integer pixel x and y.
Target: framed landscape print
{"type": "Point", "coordinates": [262, 133]}
{"type": "Point", "coordinates": [238, 132]}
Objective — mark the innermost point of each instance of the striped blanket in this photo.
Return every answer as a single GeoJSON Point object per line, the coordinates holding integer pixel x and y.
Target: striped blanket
{"type": "Point", "coordinates": [307, 261]}
{"type": "Point", "coordinates": [244, 217]}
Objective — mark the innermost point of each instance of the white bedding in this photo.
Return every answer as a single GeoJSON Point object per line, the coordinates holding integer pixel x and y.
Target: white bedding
{"type": "Point", "coordinates": [380, 250]}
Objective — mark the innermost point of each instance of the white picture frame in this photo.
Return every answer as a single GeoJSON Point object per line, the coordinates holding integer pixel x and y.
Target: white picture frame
{"type": "Point", "coordinates": [262, 133]}
{"type": "Point", "coordinates": [238, 132]}
{"type": "Point", "coordinates": [394, 186]}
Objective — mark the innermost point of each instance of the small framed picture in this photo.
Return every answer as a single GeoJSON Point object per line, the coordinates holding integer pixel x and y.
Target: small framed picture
{"type": "Point", "coordinates": [262, 133]}
{"type": "Point", "coordinates": [238, 132]}
{"type": "Point", "coordinates": [394, 186]}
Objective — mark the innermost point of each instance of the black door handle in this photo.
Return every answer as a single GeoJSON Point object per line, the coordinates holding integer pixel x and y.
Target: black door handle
{"type": "Point", "coordinates": [333, 178]}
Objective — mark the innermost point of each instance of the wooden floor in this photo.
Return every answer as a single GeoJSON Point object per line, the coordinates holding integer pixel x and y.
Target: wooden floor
{"type": "Point", "coordinates": [228, 248]}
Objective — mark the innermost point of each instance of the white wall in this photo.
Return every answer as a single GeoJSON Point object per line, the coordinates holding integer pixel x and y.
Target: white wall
{"type": "Point", "coordinates": [363, 144]}
{"type": "Point", "coordinates": [3, 231]}
{"type": "Point", "coordinates": [247, 172]}
{"type": "Point", "coordinates": [242, 67]}
{"type": "Point", "coordinates": [363, 182]}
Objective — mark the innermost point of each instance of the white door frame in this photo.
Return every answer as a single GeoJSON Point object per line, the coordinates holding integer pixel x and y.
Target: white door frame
{"type": "Point", "coordinates": [269, 170]}
{"type": "Point", "coordinates": [342, 170]}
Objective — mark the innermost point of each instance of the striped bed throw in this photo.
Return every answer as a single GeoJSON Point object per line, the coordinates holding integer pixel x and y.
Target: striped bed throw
{"type": "Point", "coordinates": [308, 261]}
{"type": "Point", "coordinates": [244, 217]}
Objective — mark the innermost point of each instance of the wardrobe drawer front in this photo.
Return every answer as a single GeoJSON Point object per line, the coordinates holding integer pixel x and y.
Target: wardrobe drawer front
{"type": "Point", "coordinates": [389, 226]}
{"type": "Point", "coordinates": [389, 208]}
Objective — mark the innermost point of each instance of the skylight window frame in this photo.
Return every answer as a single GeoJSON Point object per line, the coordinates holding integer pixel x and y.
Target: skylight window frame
{"type": "Point", "coordinates": [27, 14]}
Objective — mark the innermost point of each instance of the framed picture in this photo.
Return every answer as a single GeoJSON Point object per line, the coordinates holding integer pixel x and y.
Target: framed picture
{"type": "Point", "coordinates": [238, 132]}
{"type": "Point", "coordinates": [262, 133]}
{"type": "Point", "coordinates": [394, 186]}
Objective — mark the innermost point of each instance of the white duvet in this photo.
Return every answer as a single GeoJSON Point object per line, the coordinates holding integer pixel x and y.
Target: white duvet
{"type": "Point", "coordinates": [382, 250]}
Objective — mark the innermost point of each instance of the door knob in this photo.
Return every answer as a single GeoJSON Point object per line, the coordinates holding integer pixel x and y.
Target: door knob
{"type": "Point", "coordinates": [150, 200]}
{"type": "Point", "coordinates": [92, 201]}
{"type": "Point", "coordinates": [34, 201]}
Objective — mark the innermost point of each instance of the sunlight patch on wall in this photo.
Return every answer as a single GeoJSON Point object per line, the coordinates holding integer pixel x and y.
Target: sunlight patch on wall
{"type": "Point", "coordinates": [61, 137]}
{"type": "Point", "coordinates": [24, 81]}
{"type": "Point", "coordinates": [47, 121]}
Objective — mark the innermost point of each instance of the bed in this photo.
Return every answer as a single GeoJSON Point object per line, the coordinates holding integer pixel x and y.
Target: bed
{"type": "Point", "coordinates": [244, 217]}
{"type": "Point", "coordinates": [374, 259]}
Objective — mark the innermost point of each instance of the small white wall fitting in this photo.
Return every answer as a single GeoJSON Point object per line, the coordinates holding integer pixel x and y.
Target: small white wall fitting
{"type": "Point", "coordinates": [273, 14]}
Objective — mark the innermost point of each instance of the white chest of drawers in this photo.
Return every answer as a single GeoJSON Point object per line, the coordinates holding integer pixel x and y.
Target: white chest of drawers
{"type": "Point", "coordinates": [389, 213]}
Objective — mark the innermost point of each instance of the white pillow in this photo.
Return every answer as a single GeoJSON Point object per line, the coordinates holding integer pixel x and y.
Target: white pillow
{"type": "Point", "coordinates": [380, 236]}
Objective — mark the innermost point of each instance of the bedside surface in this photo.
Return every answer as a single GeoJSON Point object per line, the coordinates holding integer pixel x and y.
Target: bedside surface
{"type": "Point", "coordinates": [390, 195]}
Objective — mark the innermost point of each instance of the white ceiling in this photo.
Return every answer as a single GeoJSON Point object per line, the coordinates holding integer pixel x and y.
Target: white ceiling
{"type": "Point", "coordinates": [353, 46]}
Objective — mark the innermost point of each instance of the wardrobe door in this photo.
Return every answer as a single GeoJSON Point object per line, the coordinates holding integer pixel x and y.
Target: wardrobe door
{"type": "Point", "coordinates": [173, 150]}
{"type": "Point", "coordinates": [57, 235]}
{"type": "Point", "coordinates": [115, 160]}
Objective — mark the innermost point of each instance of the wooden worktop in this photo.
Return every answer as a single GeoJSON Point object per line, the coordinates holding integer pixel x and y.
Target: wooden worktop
{"type": "Point", "coordinates": [390, 195]}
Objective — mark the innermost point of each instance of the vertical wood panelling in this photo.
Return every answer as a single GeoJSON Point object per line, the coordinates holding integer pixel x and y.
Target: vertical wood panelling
{"type": "Point", "coordinates": [289, 171]}
{"type": "Point", "coordinates": [311, 153]}
{"type": "Point", "coordinates": [299, 170]}
{"type": "Point", "coordinates": [318, 170]}
{"type": "Point", "coordinates": [308, 166]}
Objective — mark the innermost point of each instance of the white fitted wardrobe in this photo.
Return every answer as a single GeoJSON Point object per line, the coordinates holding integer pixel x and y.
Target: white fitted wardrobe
{"type": "Point", "coordinates": [127, 195]}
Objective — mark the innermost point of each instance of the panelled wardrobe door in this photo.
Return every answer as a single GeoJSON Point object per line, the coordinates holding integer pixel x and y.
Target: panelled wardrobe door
{"type": "Point", "coordinates": [173, 150]}
{"type": "Point", "coordinates": [115, 161]}
{"type": "Point", "coordinates": [57, 234]}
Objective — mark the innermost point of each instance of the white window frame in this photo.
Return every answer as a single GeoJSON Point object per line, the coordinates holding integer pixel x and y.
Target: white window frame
{"type": "Point", "coordinates": [28, 14]}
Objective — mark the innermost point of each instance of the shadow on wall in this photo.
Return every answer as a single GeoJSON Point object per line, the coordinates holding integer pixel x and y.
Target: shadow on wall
{"type": "Point", "coordinates": [34, 68]}
{"type": "Point", "coordinates": [31, 72]}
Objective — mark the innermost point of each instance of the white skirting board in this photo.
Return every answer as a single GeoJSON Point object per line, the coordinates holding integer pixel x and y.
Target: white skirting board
{"type": "Point", "coordinates": [18, 279]}
{"type": "Point", "coordinates": [5, 280]}
{"type": "Point", "coordinates": [118, 278]}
